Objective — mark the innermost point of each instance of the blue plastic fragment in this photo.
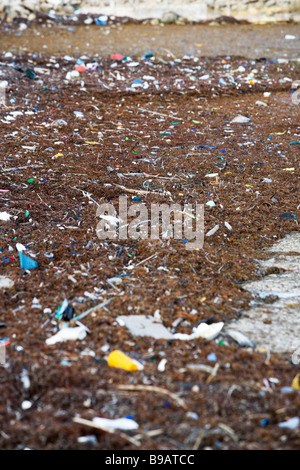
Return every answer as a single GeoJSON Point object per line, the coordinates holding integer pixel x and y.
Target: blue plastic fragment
{"type": "Point", "coordinates": [26, 262]}
{"type": "Point", "coordinates": [212, 357]}
{"type": "Point", "coordinates": [264, 422]}
{"type": "Point", "coordinates": [101, 21]}
{"type": "Point", "coordinates": [137, 81]}
{"type": "Point", "coordinates": [207, 146]}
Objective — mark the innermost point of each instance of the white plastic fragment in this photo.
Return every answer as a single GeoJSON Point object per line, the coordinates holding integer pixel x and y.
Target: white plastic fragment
{"type": "Point", "coordinates": [26, 404]}
{"type": "Point", "coordinates": [240, 119]}
{"type": "Point", "coordinates": [240, 338]}
{"type": "Point", "coordinates": [161, 366]}
{"type": "Point", "coordinates": [59, 123]}
{"type": "Point", "coordinates": [123, 424]}
{"type": "Point", "coordinates": [202, 331]}
{"type": "Point", "coordinates": [208, 331]}
{"type": "Point", "coordinates": [5, 216]}
{"type": "Point", "coordinates": [291, 423]}
{"type": "Point", "coordinates": [20, 247]}
{"type": "Point", "coordinates": [142, 325]}
{"type": "Point", "coordinates": [67, 334]}
{"type": "Point", "coordinates": [213, 231]}
{"type": "Point", "coordinates": [73, 74]}
{"type": "Point", "coordinates": [92, 439]}
{"type": "Point", "coordinates": [227, 225]}
{"type": "Point", "coordinates": [111, 219]}
{"type": "Point", "coordinates": [25, 379]}
{"type": "Point", "coordinates": [3, 83]}
{"type": "Point", "coordinates": [267, 180]}
{"type": "Point", "coordinates": [260, 103]}
{"type": "Point", "coordinates": [5, 282]}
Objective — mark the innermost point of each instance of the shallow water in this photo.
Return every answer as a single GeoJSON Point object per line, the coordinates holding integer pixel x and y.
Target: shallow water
{"type": "Point", "coordinates": [253, 41]}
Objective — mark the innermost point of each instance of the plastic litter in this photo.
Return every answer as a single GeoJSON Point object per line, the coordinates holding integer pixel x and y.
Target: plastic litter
{"type": "Point", "coordinates": [101, 20]}
{"type": "Point", "coordinates": [91, 439]}
{"type": "Point", "coordinates": [162, 365]}
{"type": "Point", "coordinates": [142, 325]}
{"type": "Point", "coordinates": [26, 405]}
{"type": "Point", "coordinates": [240, 338]}
{"type": "Point", "coordinates": [5, 216]}
{"type": "Point", "coordinates": [240, 119]}
{"type": "Point", "coordinates": [6, 283]}
{"type": "Point", "coordinates": [296, 382]}
{"type": "Point", "coordinates": [212, 231]}
{"type": "Point", "coordinates": [291, 423]}
{"type": "Point", "coordinates": [122, 361]}
{"type": "Point", "coordinates": [68, 334]}
{"type": "Point", "coordinates": [122, 424]}
{"type": "Point", "coordinates": [212, 357]}
{"type": "Point", "coordinates": [26, 262]}
{"type": "Point", "coordinates": [65, 312]}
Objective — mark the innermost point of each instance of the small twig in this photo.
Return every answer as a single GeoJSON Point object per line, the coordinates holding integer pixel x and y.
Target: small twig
{"type": "Point", "coordinates": [86, 422]}
{"type": "Point", "coordinates": [137, 191]}
{"type": "Point", "coordinates": [169, 52]}
{"type": "Point", "coordinates": [151, 388]}
{"type": "Point", "coordinates": [153, 433]}
{"type": "Point", "coordinates": [144, 260]}
{"type": "Point", "coordinates": [198, 440]}
{"type": "Point", "coordinates": [43, 201]}
{"type": "Point", "coordinates": [213, 374]}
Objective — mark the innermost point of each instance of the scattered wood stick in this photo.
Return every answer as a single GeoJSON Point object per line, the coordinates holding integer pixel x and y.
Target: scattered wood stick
{"type": "Point", "coordinates": [151, 388]}
{"type": "Point", "coordinates": [43, 201]}
{"type": "Point", "coordinates": [137, 191]}
{"type": "Point", "coordinates": [153, 433]}
{"type": "Point", "coordinates": [91, 424]}
{"type": "Point", "coordinates": [198, 440]}
{"type": "Point", "coordinates": [144, 260]}
{"type": "Point", "coordinates": [213, 374]}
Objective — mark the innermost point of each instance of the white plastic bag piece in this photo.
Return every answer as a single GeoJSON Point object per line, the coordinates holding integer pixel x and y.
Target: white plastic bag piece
{"type": "Point", "coordinates": [67, 334]}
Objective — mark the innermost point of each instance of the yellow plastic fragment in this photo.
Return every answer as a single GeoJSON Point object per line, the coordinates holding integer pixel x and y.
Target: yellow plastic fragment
{"type": "Point", "coordinates": [296, 382]}
{"type": "Point", "coordinates": [122, 361]}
